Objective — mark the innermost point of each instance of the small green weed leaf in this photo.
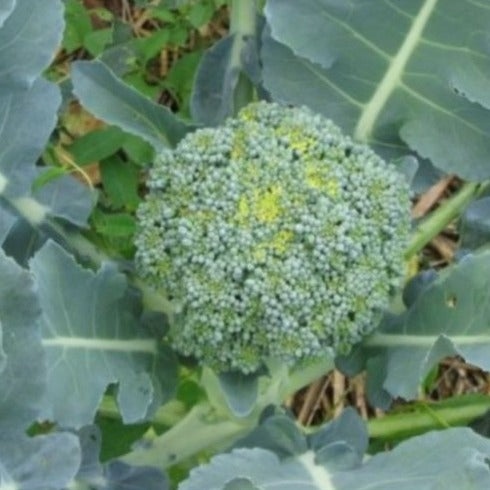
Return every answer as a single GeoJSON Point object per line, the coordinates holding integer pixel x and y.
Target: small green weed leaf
{"type": "Point", "coordinates": [29, 38]}
{"type": "Point", "coordinates": [240, 392]}
{"type": "Point", "coordinates": [114, 224]}
{"type": "Point", "coordinates": [110, 99]}
{"type": "Point", "coordinates": [180, 80]}
{"type": "Point", "coordinates": [475, 224]}
{"type": "Point", "coordinates": [458, 459]}
{"type": "Point", "coordinates": [30, 463]}
{"type": "Point", "coordinates": [96, 145]}
{"type": "Point", "coordinates": [94, 341]}
{"type": "Point", "coordinates": [200, 13]}
{"type": "Point", "coordinates": [149, 47]}
{"type": "Point", "coordinates": [449, 317]}
{"type": "Point", "coordinates": [97, 40]}
{"type": "Point", "coordinates": [121, 181]}
{"type": "Point", "coordinates": [6, 9]}
{"type": "Point", "coordinates": [401, 76]}
{"type": "Point", "coordinates": [138, 150]}
{"type": "Point", "coordinates": [28, 118]}
{"type": "Point", "coordinates": [78, 25]}
{"type": "Point", "coordinates": [22, 375]}
{"type": "Point", "coordinates": [117, 437]}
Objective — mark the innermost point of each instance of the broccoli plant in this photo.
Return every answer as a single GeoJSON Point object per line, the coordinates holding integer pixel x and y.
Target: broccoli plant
{"type": "Point", "coordinates": [271, 242]}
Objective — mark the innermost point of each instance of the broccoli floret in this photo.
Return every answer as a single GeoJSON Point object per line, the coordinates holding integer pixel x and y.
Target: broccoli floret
{"type": "Point", "coordinates": [278, 236]}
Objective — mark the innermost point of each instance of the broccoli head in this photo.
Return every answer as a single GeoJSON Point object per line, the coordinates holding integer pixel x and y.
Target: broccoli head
{"type": "Point", "coordinates": [276, 235]}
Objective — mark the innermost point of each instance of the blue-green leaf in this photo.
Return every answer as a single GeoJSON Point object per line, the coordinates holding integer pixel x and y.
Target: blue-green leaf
{"type": "Point", "coordinates": [401, 76]}
{"type": "Point", "coordinates": [110, 99]}
{"type": "Point", "coordinates": [240, 391]}
{"type": "Point", "coordinates": [27, 118]}
{"type": "Point", "coordinates": [93, 337]}
{"type": "Point", "coordinates": [475, 224]}
{"type": "Point", "coordinates": [22, 372]}
{"type": "Point", "coordinates": [6, 9]}
{"type": "Point", "coordinates": [29, 38]}
{"type": "Point", "coordinates": [7, 220]}
{"type": "Point", "coordinates": [451, 459]}
{"type": "Point", "coordinates": [448, 317]}
{"type": "Point", "coordinates": [45, 462]}
{"type": "Point", "coordinates": [213, 97]}
{"type": "Point", "coordinates": [67, 198]}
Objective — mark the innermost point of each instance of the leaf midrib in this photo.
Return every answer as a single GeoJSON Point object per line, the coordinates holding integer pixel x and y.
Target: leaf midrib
{"type": "Point", "coordinates": [392, 76]}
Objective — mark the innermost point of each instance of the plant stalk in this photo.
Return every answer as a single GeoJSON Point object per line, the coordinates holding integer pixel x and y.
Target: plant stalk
{"type": "Point", "coordinates": [196, 432]}
{"type": "Point", "coordinates": [207, 428]}
{"type": "Point", "coordinates": [243, 26]}
{"type": "Point", "coordinates": [443, 215]}
{"type": "Point", "coordinates": [433, 416]}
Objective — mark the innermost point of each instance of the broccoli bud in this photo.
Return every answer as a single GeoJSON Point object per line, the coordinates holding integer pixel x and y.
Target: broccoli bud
{"type": "Point", "coordinates": [278, 236]}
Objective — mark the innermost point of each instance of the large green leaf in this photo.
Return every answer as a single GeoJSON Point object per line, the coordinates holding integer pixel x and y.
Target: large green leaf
{"type": "Point", "coordinates": [22, 368]}
{"type": "Point", "coordinates": [45, 462]}
{"type": "Point", "coordinates": [5, 10]}
{"type": "Point", "coordinates": [221, 75]}
{"type": "Point", "coordinates": [27, 118]}
{"type": "Point", "coordinates": [110, 99]}
{"type": "Point", "coordinates": [93, 337]}
{"type": "Point", "coordinates": [7, 220]}
{"type": "Point", "coordinates": [29, 38]}
{"type": "Point", "coordinates": [448, 316]}
{"type": "Point", "coordinates": [398, 75]}
{"type": "Point", "coordinates": [115, 475]}
{"type": "Point", "coordinates": [452, 459]}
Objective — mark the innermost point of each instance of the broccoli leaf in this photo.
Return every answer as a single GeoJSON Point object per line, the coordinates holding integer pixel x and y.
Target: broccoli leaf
{"type": "Point", "coordinates": [49, 462]}
{"type": "Point", "coordinates": [222, 66]}
{"type": "Point", "coordinates": [450, 316]}
{"type": "Point", "coordinates": [29, 38]}
{"type": "Point", "coordinates": [6, 9]}
{"type": "Point", "coordinates": [116, 474]}
{"type": "Point", "coordinates": [458, 459]}
{"type": "Point", "coordinates": [110, 99]}
{"type": "Point", "coordinates": [240, 391]}
{"type": "Point", "coordinates": [7, 220]}
{"type": "Point", "coordinates": [93, 337]}
{"type": "Point", "coordinates": [401, 76]}
{"type": "Point", "coordinates": [475, 224]}
{"type": "Point", "coordinates": [28, 118]}
{"type": "Point", "coordinates": [22, 368]}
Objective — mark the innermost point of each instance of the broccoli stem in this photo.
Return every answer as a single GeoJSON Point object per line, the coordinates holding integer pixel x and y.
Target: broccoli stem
{"type": "Point", "coordinates": [243, 25]}
{"type": "Point", "coordinates": [196, 432]}
{"type": "Point", "coordinates": [205, 427]}
{"type": "Point", "coordinates": [443, 215]}
{"type": "Point", "coordinates": [429, 416]}
{"type": "Point", "coordinates": [205, 432]}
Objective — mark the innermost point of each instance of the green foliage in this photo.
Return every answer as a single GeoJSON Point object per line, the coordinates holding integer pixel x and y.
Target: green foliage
{"type": "Point", "coordinates": [273, 234]}
{"type": "Point", "coordinates": [276, 235]}
{"type": "Point", "coordinates": [418, 84]}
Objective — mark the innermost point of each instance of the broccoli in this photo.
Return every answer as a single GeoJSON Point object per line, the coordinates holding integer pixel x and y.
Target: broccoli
{"type": "Point", "coordinates": [277, 236]}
